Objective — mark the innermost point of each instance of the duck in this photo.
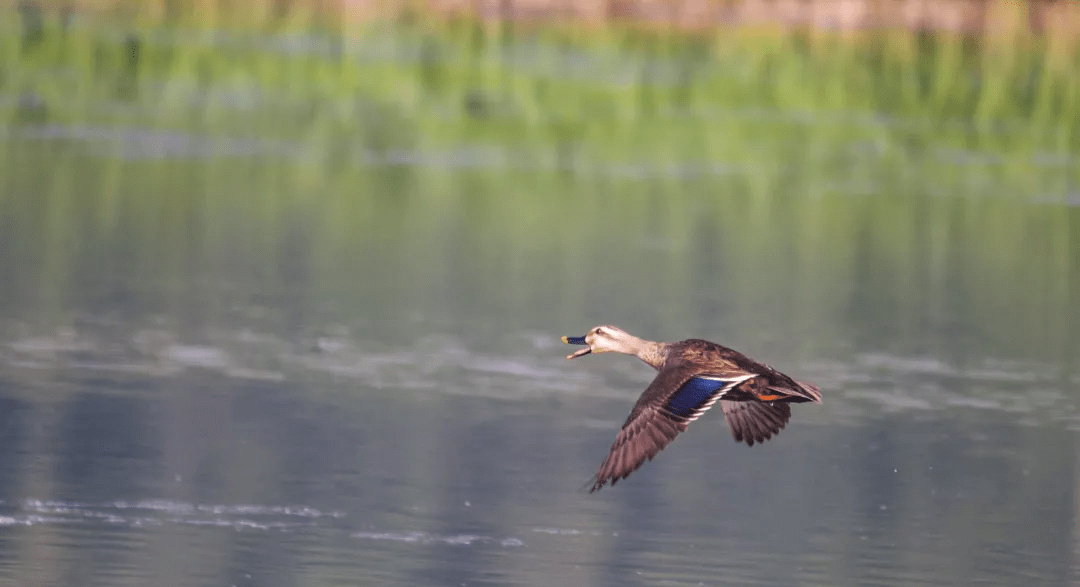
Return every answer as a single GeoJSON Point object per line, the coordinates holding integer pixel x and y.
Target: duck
{"type": "Point", "coordinates": [692, 375]}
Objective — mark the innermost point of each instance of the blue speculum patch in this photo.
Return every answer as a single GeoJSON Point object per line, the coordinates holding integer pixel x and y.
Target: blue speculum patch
{"type": "Point", "coordinates": [693, 394]}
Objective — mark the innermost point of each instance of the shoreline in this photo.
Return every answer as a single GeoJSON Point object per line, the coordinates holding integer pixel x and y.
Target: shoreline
{"type": "Point", "coordinates": [1053, 18]}
{"type": "Point", "coordinates": [967, 17]}
{"type": "Point", "coordinates": [987, 29]}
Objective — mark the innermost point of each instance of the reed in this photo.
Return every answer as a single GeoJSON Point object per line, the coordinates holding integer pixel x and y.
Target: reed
{"type": "Point", "coordinates": [464, 79]}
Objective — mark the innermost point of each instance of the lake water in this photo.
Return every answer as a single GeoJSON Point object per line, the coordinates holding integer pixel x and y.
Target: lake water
{"type": "Point", "coordinates": [334, 359]}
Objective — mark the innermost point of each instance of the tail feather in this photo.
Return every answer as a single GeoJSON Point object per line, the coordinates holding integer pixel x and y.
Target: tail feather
{"type": "Point", "coordinates": [798, 393]}
{"type": "Point", "coordinates": [811, 391]}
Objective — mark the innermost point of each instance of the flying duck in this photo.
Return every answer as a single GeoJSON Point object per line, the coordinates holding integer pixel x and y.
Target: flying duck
{"type": "Point", "coordinates": [692, 375]}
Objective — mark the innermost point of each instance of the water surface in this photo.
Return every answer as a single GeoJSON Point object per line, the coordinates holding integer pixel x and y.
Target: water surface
{"type": "Point", "coordinates": [231, 355]}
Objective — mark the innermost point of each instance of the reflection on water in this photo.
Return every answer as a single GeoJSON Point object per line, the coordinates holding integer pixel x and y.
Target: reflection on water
{"type": "Point", "coordinates": [251, 337]}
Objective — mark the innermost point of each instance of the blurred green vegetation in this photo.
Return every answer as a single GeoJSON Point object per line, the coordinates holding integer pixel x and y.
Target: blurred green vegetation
{"type": "Point", "coordinates": [871, 191]}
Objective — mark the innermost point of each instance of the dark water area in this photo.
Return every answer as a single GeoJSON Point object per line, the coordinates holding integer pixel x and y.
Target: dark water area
{"type": "Point", "coordinates": [236, 356]}
{"type": "Point", "coordinates": [200, 478]}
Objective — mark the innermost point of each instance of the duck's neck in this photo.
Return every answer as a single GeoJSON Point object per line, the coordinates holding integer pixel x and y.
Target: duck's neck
{"type": "Point", "coordinates": [653, 353]}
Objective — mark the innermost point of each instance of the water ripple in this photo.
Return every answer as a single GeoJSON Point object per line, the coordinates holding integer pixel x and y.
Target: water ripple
{"type": "Point", "coordinates": [161, 512]}
{"type": "Point", "coordinates": [417, 537]}
{"type": "Point", "coordinates": [157, 512]}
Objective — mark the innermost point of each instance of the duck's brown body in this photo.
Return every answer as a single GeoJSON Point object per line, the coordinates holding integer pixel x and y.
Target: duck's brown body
{"type": "Point", "coordinates": [692, 375]}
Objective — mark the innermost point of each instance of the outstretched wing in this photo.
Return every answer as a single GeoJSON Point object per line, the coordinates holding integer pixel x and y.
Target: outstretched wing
{"type": "Point", "coordinates": [753, 421]}
{"type": "Point", "coordinates": [639, 440]}
{"type": "Point", "coordinates": [664, 410]}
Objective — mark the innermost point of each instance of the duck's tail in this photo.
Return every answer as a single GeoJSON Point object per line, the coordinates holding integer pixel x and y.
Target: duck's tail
{"type": "Point", "coordinates": [810, 391]}
{"type": "Point", "coordinates": [795, 392]}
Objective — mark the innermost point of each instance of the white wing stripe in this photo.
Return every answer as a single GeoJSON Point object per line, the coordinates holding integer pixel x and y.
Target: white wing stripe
{"type": "Point", "coordinates": [732, 381]}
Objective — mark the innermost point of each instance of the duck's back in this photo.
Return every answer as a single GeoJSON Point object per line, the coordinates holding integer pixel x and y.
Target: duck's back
{"type": "Point", "coordinates": [703, 357]}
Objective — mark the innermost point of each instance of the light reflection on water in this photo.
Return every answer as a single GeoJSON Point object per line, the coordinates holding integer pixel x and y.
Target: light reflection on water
{"type": "Point", "coordinates": [444, 364]}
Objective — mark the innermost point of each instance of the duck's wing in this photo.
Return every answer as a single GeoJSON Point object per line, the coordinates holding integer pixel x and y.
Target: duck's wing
{"type": "Point", "coordinates": [675, 398]}
{"type": "Point", "coordinates": [753, 421]}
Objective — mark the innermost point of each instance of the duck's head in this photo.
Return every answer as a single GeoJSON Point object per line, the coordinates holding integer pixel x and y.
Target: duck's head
{"type": "Point", "coordinates": [604, 339]}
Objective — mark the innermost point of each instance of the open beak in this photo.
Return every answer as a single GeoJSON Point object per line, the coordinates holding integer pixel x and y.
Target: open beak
{"type": "Point", "coordinates": [577, 340]}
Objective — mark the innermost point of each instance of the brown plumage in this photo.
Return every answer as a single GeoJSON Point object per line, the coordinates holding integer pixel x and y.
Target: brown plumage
{"type": "Point", "coordinates": [692, 375]}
